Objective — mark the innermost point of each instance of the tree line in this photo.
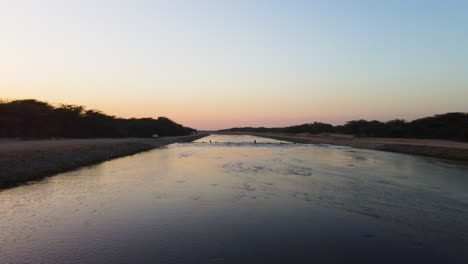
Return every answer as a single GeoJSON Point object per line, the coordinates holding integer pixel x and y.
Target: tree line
{"type": "Point", "coordinates": [452, 126]}
{"type": "Point", "coordinates": [37, 119]}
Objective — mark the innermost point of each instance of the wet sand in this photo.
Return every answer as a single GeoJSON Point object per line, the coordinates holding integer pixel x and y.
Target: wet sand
{"type": "Point", "coordinates": [27, 160]}
{"type": "Point", "coordinates": [445, 149]}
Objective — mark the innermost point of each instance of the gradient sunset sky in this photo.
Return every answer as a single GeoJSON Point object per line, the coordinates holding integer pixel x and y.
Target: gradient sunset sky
{"type": "Point", "coordinates": [213, 64]}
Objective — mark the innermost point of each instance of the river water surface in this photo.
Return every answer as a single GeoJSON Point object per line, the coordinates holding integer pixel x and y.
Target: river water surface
{"type": "Point", "coordinates": [236, 201]}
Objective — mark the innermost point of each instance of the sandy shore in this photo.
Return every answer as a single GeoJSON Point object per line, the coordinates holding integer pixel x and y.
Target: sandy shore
{"type": "Point", "coordinates": [26, 160]}
{"type": "Point", "coordinates": [444, 149]}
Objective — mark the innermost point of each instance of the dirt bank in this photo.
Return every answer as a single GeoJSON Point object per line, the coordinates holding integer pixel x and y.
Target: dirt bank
{"type": "Point", "coordinates": [27, 160]}
{"type": "Point", "coordinates": [444, 149]}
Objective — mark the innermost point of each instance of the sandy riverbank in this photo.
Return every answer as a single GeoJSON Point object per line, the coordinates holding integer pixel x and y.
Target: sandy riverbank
{"type": "Point", "coordinates": [444, 149]}
{"type": "Point", "coordinates": [27, 160]}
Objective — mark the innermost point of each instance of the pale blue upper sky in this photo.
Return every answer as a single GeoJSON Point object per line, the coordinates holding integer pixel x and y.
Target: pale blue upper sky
{"type": "Point", "coordinates": [216, 64]}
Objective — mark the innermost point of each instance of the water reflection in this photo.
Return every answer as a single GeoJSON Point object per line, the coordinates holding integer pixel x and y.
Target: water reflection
{"type": "Point", "coordinates": [202, 203]}
{"type": "Point", "coordinates": [238, 140]}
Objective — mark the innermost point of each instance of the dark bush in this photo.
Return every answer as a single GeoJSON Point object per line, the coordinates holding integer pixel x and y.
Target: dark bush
{"type": "Point", "coordinates": [453, 126]}
{"type": "Point", "coordinates": [36, 119]}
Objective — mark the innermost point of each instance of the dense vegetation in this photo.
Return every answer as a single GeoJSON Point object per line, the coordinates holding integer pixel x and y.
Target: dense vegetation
{"type": "Point", "coordinates": [36, 119]}
{"type": "Point", "coordinates": [453, 126]}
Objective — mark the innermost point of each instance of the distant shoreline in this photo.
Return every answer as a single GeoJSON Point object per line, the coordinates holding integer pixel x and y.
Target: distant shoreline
{"type": "Point", "coordinates": [444, 149]}
{"type": "Point", "coordinates": [23, 161]}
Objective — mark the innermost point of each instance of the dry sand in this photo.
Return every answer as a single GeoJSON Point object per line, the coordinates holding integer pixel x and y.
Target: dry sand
{"type": "Point", "coordinates": [26, 160]}
{"type": "Point", "coordinates": [444, 149]}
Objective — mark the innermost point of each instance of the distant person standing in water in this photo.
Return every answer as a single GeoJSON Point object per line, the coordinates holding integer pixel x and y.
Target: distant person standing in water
{"type": "Point", "coordinates": [255, 141]}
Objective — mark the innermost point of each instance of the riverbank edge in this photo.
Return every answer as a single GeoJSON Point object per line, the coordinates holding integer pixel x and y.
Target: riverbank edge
{"type": "Point", "coordinates": [447, 153]}
{"type": "Point", "coordinates": [36, 166]}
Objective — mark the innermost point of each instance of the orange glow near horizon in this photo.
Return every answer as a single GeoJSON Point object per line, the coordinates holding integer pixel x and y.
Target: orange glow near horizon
{"type": "Point", "coordinates": [220, 64]}
{"type": "Point", "coordinates": [204, 115]}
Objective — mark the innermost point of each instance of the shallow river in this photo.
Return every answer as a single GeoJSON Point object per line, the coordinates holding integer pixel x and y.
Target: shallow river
{"type": "Point", "coordinates": [236, 201]}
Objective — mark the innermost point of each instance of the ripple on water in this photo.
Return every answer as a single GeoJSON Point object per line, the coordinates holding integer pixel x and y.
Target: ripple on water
{"type": "Point", "coordinates": [231, 203]}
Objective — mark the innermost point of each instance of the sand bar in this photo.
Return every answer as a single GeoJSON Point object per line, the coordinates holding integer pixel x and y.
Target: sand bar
{"type": "Point", "coordinates": [445, 149]}
{"type": "Point", "coordinates": [27, 160]}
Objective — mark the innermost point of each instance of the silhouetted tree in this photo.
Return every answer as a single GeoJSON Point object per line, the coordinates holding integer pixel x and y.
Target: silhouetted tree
{"type": "Point", "coordinates": [35, 119]}
{"type": "Point", "coordinates": [452, 126]}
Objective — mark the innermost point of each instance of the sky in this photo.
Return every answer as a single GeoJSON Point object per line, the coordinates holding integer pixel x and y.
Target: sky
{"type": "Point", "coordinates": [212, 64]}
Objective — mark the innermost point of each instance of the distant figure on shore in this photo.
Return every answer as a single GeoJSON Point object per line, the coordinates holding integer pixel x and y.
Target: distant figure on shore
{"type": "Point", "coordinates": [210, 140]}
{"type": "Point", "coordinates": [255, 141]}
